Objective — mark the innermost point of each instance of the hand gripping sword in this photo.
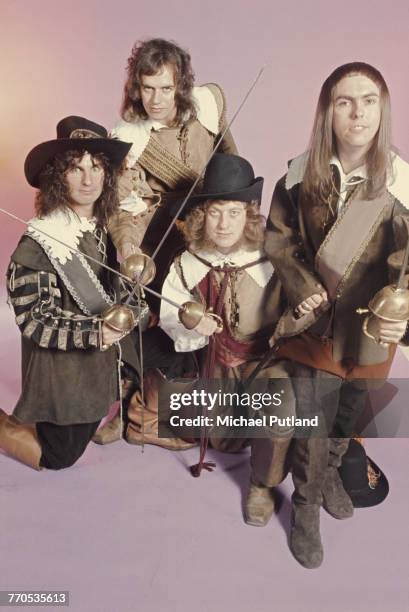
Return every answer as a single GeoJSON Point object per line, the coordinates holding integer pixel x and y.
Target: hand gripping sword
{"type": "Point", "coordinates": [391, 303]}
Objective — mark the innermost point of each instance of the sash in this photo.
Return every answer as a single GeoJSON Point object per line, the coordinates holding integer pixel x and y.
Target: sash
{"type": "Point", "coordinates": [162, 164]}
{"type": "Point", "coordinates": [78, 278]}
{"type": "Point", "coordinates": [229, 351]}
{"type": "Point", "coordinates": [346, 241]}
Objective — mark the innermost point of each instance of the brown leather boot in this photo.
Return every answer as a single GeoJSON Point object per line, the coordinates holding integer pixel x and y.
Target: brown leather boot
{"type": "Point", "coordinates": [108, 433]}
{"type": "Point", "coordinates": [146, 416]}
{"type": "Point", "coordinates": [259, 505]}
{"type": "Point", "coordinates": [20, 441]}
{"type": "Point", "coordinates": [111, 431]}
{"type": "Point", "coordinates": [134, 436]}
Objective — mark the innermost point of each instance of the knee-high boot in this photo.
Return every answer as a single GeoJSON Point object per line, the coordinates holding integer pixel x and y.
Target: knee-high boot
{"type": "Point", "coordinates": [336, 500]}
{"type": "Point", "coordinates": [310, 463]}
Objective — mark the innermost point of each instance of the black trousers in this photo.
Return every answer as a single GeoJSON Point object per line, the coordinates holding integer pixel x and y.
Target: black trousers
{"type": "Point", "coordinates": [63, 445]}
{"type": "Point", "coordinates": [159, 352]}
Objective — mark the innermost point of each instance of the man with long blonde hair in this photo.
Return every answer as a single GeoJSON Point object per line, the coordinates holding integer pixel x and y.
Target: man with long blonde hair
{"type": "Point", "coordinates": [335, 218]}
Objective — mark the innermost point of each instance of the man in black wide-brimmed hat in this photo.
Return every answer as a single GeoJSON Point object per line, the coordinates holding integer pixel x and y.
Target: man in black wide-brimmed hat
{"type": "Point", "coordinates": [58, 295]}
{"type": "Point", "coordinates": [225, 269]}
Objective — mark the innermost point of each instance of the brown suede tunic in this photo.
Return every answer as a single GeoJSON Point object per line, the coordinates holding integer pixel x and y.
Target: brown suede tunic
{"type": "Point", "coordinates": [295, 231]}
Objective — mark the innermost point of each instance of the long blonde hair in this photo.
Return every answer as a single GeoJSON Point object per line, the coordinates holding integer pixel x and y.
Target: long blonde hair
{"type": "Point", "coordinates": [317, 180]}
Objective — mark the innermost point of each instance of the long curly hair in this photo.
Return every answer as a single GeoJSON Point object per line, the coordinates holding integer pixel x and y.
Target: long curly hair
{"type": "Point", "coordinates": [317, 179]}
{"type": "Point", "coordinates": [194, 228]}
{"type": "Point", "coordinates": [148, 58]}
{"type": "Point", "coordinates": [54, 191]}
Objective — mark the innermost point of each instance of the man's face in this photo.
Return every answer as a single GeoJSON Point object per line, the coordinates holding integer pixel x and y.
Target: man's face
{"type": "Point", "coordinates": [224, 224]}
{"type": "Point", "coordinates": [158, 95]}
{"type": "Point", "coordinates": [357, 113]}
{"type": "Point", "coordinates": [85, 183]}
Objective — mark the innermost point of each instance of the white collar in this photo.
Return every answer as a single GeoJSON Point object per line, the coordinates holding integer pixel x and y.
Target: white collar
{"type": "Point", "coordinates": [138, 132]}
{"type": "Point", "coordinates": [398, 183]}
{"type": "Point", "coordinates": [194, 270]}
{"type": "Point", "coordinates": [64, 225]}
{"type": "Point", "coordinates": [206, 108]}
{"type": "Point", "coordinates": [296, 170]}
{"type": "Point", "coordinates": [346, 177]}
{"type": "Point", "coordinates": [398, 179]}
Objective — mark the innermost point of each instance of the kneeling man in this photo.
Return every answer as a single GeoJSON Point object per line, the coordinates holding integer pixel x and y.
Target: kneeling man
{"type": "Point", "coordinates": [69, 364]}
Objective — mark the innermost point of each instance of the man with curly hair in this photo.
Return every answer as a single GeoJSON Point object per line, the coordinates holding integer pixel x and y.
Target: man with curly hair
{"type": "Point", "coordinates": [173, 127]}
{"type": "Point", "coordinates": [225, 268]}
{"type": "Point", "coordinates": [69, 361]}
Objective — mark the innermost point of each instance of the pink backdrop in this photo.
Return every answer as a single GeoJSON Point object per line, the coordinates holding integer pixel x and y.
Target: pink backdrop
{"type": "Point", "coordinates": [61, 58]}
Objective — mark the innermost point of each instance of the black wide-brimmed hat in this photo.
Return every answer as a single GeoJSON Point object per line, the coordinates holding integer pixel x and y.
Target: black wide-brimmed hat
{"type": "Point", "coordinates": [74, 133]}
{"type": "Point", "coordinates": [227, 177]}
{"type": "Point", "coordinates": [364, 482]}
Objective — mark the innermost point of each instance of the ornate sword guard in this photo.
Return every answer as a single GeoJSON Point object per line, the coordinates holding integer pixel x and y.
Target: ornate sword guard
{"type": "Point", "coordinates": [139, 267]}
{"type": "Point", "coordinates": [191, 313]}
{"type": "Point", "coordinates": [120, 318]}
{"type": "Point", "coordinates": [390, 303]}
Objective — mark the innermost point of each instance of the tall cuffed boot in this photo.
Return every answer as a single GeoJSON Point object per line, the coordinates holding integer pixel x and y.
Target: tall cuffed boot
{"type": "Point", "coordinates": [20, 441]}
{"type": "Point", "coordinates": [335, 499]}
{"type": "Point", "coordinates": [310, 461]}
{"type": "Point", "coordinates": [143, 421]}
{"type": "Point", "coordinates": [305, 539]}
{"type": "Point", "coordinates": [112, 431]}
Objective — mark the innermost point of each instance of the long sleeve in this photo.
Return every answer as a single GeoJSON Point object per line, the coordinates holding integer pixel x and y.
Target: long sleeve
{"type": "Point", "coordinates": [185, 340]}
{"type": "Point", "coordinates": [228, 145]}
{"type": "Point", "coordinates": [285, 249]}
{"type": "Point", "coordinates": [400, 225]}
{"type": "Point", "coordinates": [124, 227]}
{"type": "Point", "coordinates": [138, 205]}
{"type": "Point", "coordinates": [400, 228]}
{"type": "Point", "coordinates": [36, 300]}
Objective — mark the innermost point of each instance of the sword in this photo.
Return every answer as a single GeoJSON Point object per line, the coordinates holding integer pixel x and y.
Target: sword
{"type": "Point", "coordinates": [401, 279]}
{"type": "Point", "coordinates": [100, 263]}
